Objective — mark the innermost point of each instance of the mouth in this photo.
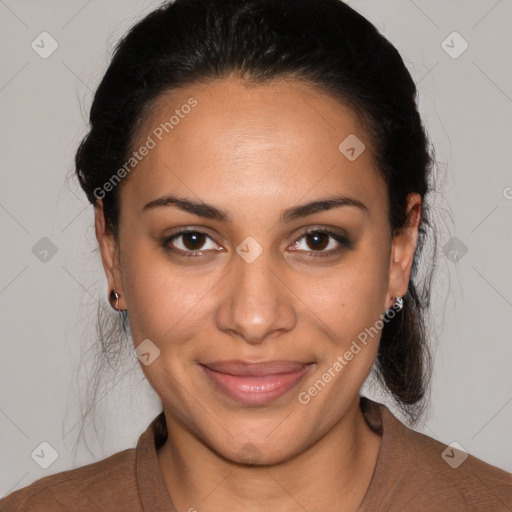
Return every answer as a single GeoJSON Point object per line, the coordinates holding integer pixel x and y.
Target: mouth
{"type": "Point", "coordinates": [255, 383]}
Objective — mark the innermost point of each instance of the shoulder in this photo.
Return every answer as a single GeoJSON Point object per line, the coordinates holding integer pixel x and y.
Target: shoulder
{"type": "Point", "coordinates": [96, 486]}
{"type": "Point", "coordinates": [443, 477]}
{"type": "Point", "coordinates": [449, 467]}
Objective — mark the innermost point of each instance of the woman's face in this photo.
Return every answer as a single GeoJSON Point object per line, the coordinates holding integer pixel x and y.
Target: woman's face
{"type": "Point", "coordinates": [246, 162]}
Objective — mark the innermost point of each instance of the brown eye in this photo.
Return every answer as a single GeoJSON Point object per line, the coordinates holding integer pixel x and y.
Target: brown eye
{"type": "Point", "coordinates": [190, 243]}
{"type": "Point", "coordinates": [318, 242]}
{"type": "Point", "coordinates": [193, 240]}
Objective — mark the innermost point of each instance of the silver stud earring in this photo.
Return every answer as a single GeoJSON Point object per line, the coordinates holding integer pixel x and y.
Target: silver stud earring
{"type": "Point", "coordinates": [398, 303]}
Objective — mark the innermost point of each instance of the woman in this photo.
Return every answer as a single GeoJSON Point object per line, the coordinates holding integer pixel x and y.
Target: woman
{"type": "Point", "coordinates": [260, 174]}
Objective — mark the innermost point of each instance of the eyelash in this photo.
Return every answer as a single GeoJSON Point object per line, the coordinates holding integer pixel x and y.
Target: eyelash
{"type": "Point", "coordinates": [344, 243]}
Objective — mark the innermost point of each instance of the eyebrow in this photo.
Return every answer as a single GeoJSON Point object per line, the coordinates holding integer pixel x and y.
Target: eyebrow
{"type": "Point", "coordinates": [211, 212]}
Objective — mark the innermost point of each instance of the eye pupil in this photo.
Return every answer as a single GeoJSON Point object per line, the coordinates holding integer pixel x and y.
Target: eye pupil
{"type": "Point", "coordinates": [189, 239]}
{"type": "Point", "coordinates": [320, 240]}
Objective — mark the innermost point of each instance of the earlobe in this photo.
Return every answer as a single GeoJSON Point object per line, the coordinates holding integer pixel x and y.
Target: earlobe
{"type": "Point", "coordinates": [109, 257]}
{"type": "Point", "coordinates": [403, 249]}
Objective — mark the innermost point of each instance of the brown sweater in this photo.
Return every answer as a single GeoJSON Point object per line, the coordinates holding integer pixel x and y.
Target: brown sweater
{"type": "Point", "coordinates": [413, 473]}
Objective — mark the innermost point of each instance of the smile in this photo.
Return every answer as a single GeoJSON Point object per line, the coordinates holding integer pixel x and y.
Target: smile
{"type": "Point", "coordinates": [255, 383]}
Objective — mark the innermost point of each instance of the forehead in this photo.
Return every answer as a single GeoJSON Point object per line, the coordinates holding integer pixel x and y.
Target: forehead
{"type": "Point", "coordinates": [231, 140]}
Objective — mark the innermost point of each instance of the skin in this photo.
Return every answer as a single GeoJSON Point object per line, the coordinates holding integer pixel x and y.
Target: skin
{"type": "Point", "coordinates": [253, 152]}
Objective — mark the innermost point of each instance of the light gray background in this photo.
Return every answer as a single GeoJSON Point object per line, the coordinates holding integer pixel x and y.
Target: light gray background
{"type": "Point", "coordinates": [48, 308]}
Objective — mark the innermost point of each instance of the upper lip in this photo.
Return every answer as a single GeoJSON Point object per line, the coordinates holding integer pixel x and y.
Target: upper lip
{"type": "Point", "coordinates": [255, 369]}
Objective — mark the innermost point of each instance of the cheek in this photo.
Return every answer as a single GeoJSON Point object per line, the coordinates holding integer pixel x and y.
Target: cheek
{"type": "Point", "coordinates": [163, 299]}
{"type": "Point", "coordinates": [349, 304]}
{"type": "Point", "coordinates": [351, 296]}
{"type": "Point", "coordinates": [167, 305]}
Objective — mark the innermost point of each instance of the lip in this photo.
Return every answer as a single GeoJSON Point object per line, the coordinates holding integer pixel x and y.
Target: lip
{"type": "Point", "coordinates": [255, 383]}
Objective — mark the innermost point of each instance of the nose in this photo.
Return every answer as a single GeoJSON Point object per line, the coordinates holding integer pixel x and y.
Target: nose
{"type": "Point", "coordinates": [256, 304]}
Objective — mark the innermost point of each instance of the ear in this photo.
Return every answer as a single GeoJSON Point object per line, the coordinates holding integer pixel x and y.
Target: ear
{"type": "Point", "coordinates": [402, 250]}
{"type": "Point", "coordinates": [109, 254]}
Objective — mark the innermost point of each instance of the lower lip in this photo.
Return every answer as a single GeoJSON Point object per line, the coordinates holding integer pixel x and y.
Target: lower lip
{"type": "Point", "coordinates": [253, 390]}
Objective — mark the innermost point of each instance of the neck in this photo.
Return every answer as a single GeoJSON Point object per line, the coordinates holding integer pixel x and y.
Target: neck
{"type": "Point", "coordinates": [332, 474]}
